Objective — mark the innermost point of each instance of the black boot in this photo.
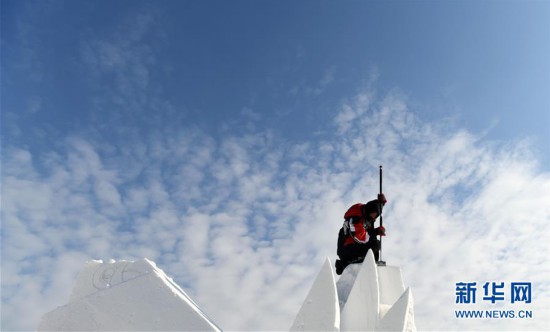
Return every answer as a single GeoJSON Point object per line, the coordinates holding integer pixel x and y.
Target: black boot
{"type": "Point", "coordinates": [340, 266]}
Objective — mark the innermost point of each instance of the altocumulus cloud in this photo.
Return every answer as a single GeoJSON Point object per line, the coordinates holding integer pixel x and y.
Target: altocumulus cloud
{"type": "Point", "coordinates": [244, 222]}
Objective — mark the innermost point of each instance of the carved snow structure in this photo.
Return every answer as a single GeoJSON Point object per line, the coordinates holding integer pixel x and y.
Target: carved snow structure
{"type": "Point", "coordinates": [367, 297]}
{"type": "Point", "coordinates": [126, 296]}
{"type": "Point", "coordinates": [138, 296]}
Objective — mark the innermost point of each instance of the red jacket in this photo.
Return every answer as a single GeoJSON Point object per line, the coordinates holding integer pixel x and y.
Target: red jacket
{"type": "Point", "coordinates": [357, 225]}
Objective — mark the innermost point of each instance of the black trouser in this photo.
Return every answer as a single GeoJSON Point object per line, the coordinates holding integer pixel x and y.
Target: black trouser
{"type": "Point", "coordinates": [355, 251]}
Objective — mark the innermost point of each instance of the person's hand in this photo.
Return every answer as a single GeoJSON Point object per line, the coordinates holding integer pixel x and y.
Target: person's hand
{"type": "Point", "coordinates": [382, 199]}
{"type": "Point", "coordinates": [380, 231]}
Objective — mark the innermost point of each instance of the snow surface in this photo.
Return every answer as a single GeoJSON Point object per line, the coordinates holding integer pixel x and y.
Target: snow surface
{"type": "Point", "coordinates": [126, 296]}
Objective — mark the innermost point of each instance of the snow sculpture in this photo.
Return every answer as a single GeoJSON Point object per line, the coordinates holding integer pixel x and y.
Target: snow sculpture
{"type": "Point", "coordinates": [370, 298]}
{"type": "Point", "coordinates": [126, 296]}
{"type": "Point", "coordinates": [138, 296]}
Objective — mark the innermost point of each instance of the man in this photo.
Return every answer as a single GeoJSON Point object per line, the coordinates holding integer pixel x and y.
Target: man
{"type": "Point", "coordinates": [358, 234]}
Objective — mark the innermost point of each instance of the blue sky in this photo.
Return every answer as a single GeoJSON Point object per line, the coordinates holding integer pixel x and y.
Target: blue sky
{"type": "Point", "coordinates": [228, 138]}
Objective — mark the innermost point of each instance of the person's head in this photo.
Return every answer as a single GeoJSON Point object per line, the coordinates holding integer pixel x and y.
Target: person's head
{"type": "Point", "coordinates": [371, 210]}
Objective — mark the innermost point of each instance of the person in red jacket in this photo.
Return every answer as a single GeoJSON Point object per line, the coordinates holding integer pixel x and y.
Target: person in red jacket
{"type": "Point", "coordinates": [358, 234]}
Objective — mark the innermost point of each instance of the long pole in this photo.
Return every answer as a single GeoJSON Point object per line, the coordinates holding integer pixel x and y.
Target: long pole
{"type": "Point", "coordinates": [381, 223]}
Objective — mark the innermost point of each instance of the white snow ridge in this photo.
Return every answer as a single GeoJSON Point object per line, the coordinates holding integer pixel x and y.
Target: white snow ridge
{"type": "Point", "coordinates": [367, 297]}
{"type": "Point", "coordinates": [126, 296]}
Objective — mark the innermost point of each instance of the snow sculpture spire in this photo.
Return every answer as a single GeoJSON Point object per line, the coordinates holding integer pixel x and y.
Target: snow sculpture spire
{"type": "Point", "coordinates": [361, 310]}
{"type": "Point", "coordinates": [320, 311]}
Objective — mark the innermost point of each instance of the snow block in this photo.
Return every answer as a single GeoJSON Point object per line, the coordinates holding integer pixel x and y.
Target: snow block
{"type": "Point", "coordinates": [391, 286]}
{"type": "Point", "coordinates": [401, 315]}
{"type": "Point", "coordinates": [361, 310]}
{"type": "Point", "coordinates": [126, 296]}
{"type": "Point", "coordinates": [320, 310]}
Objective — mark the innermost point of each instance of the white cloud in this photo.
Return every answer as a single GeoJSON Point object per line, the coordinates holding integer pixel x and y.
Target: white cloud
{"type": "Point", "coordinates": [243, 223]}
